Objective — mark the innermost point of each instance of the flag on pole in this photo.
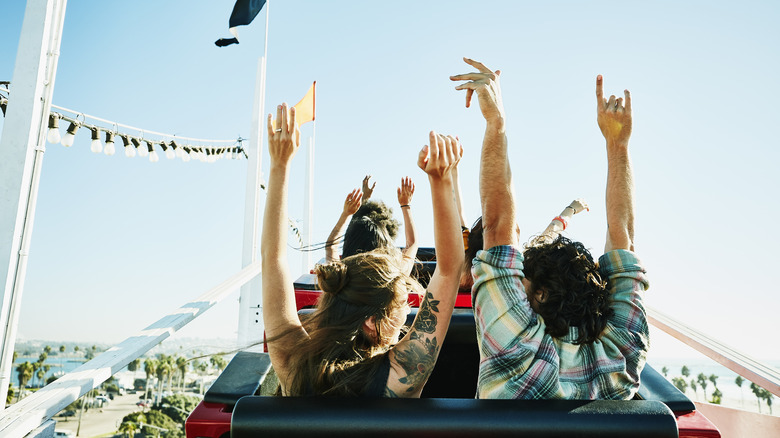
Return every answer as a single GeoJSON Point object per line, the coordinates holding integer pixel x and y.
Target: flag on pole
{"type": "Point", "coordinates": [304, 110]}
{"type": "Point", "coordinates": [244, 11]}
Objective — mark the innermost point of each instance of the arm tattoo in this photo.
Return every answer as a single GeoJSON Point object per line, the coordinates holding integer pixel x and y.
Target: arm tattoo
{"type": "Point", "coordinates": [389, 393]}
{"type": "Point", "coordinates": [417, 359]}
{"type": "Point", "coordinates": [426, 319]}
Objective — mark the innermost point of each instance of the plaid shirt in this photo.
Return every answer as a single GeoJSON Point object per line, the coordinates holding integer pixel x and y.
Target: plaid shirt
{"type": "Point", "coordinates": [518, 360]}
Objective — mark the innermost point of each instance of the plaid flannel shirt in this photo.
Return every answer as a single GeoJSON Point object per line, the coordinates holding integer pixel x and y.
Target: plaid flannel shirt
{"type": "Point", "coordinates": [518, 360]}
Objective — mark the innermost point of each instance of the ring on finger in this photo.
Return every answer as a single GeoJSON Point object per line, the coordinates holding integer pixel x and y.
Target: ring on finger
{"type": "Point", "coordinates": [278, 130]}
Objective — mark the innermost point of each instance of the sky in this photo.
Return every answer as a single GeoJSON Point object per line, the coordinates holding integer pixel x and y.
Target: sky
{"type": "Point", "coordinates": [118, 242]}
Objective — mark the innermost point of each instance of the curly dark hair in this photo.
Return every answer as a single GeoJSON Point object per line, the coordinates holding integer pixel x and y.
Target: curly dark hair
{"type": "Point", "coordinates": [575, 295]}
{"type": "Point", "coordinates": [371, 227]}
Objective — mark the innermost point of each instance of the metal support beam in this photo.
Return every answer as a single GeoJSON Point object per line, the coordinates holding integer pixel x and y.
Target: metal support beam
{"type": "Point", "coordinates": [22, 146]}
{"type": "Point", "coordinates": [250, 313]}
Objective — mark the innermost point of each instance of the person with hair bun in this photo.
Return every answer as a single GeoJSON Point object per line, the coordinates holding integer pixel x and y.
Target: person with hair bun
{"type": "Point", "coordinates": [349, 345]}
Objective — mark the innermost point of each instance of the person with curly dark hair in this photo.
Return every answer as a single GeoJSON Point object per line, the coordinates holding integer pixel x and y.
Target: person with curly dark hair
{"type": "Point", "coordinates": [551, 322]}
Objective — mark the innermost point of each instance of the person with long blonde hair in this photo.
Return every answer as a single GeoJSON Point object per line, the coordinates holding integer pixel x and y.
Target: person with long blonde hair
{"type": "Point", "coordinates": [349, 345]}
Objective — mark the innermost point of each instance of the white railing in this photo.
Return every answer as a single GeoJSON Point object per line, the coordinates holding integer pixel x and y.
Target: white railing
{"type": "Point", "coordinates": [27, 415]}
{"type": "Point", "coordinates": [751, 369]}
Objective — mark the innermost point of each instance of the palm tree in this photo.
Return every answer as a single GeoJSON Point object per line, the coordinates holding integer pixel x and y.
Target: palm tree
{"type": "Point", "coordinates": [163, 369]}
{"type": "Point", "coordinates": [35, 367]}
{"type": "Point", "coordinates": [181, 365]}
{"type": "Point", "coordinates": [40, 374]}
{"type": "Point", "coordinates": [685, 371]}
{"type": "Point", "coordinates": [24, 373]}
{"type": "Point", "coordinates": [47, 349]}
{"type": "Point", "coordinates": [714, 379]}
{"type": "Point", "coordinates": [62, 348]}
{"type": "Point", "coordinates": [665, 371]}
{"type": "Point", "coordinates": [680, 383]}
{"type": "Point", "coordinates": [702, 379]}
{"type": "Point", "coordinates": [150, 367]}
{"type": "Point", "coordinates": [717, 396]}
{"type": "Point", "coordinates": [768, 397]}
{"type": "Point", "coordinates": [76, 349]}
{"type": "Point", "coordinates": [757, 391]}
{"type": "Point", "coordinates": [739, 380]}
{"type": "Point", "coordinates": [128, 428]}
{"type": "Point", "coordinates": [218, 362]}
{"type": "Point", "coordinates": [694, 387]}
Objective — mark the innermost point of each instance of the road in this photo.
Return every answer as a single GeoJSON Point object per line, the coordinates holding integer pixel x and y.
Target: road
{"type": "Point", "coordinates": [100, 422]}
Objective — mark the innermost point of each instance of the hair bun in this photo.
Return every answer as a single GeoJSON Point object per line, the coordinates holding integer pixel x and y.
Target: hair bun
{"type": "Point", "coordinates": [332, 277]}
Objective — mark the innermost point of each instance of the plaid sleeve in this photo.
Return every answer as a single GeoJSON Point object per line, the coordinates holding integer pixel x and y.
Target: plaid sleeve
{"type": "Point", "coordinates": [627, 329]}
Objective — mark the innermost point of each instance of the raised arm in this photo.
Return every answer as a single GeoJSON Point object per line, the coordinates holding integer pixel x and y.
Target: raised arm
{"type": "Point", "coordinates": [615, 122]}
{"type": "Point", "coordinates": [405, 193]}
{"type": "Point", "coordinates": [560, 222]}
{"type": "Point", "coordinates": [368, 188]}
{"type": "Point", "coordinates": [458, 196]}
{"type": "Point", "coordinates": [495, 175]}
{"type": "Point", "coordinates": [279, 312]}
{"type": "Point", "coordinates": [413, 358]}
{"type": "Point", "coordinates": [351, 205]}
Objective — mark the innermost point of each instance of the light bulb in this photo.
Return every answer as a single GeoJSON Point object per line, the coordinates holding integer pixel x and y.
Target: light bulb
{"type": "Point", "coordinates": [151, 152]}
{"type": "Point", "coordinates": [177, 150]}
{"type": "Point", "coordinates": [129, 147]}
{"type": "Point", "coordinates": [234, 154]}
{"type": "Point", "coordinates": [142, 151]}
{"type": "Point", "coordinates": [53, 136]}
{"type": "Point", "coordinates": [185, 157]}
{"type": "Point", "coordinates": [70, 135]}
{"type": "Point", "coordinates": [97, 145]}
{"type": "Point", "coordinates": [193, 154]}
{"type": "Point", "coordinates": [109, 149]}
{"type": "Point", "coordinates": [169, 154]}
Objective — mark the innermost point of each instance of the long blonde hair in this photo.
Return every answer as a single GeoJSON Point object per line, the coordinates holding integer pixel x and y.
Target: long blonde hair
{"type": "Point", "coordinates": [339, 358]}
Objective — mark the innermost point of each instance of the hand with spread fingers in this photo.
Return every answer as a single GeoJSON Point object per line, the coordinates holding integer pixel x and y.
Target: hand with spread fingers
{"type": "Point", "coordinates": [368, 190]}
{"type": "Point", "coordinates": [486, 83]}
{"type": "Point", "coordinates": [284, 138]}
{"type": "Point", "coordinates": [440, 157]}
{"type": "Point", "coordinates": [613, 115]}
{"type": "Point", "coordinates": [405, 192]}
{"type": "Point", "coordinates": [352, 203]}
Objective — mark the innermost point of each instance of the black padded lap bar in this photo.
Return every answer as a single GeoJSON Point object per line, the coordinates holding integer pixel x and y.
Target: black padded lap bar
{"type": "Point", "coordinates": [241, 377]}
{"type": "Point", "coordinates": [654, 386]}
{"type": "Point", "coordinates": [354, 417]}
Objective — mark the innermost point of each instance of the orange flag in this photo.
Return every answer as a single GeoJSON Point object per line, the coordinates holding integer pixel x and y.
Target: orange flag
{"type": "Point", "coordinates": [304, 110]}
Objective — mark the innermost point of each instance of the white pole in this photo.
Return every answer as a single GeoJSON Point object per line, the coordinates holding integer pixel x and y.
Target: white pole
{"type": "Point", "coordinates": [250, 311]}
{"type": "Point", "coordinates": [308, 204]}
{"type": "Point", "coordinates": [22, 146]}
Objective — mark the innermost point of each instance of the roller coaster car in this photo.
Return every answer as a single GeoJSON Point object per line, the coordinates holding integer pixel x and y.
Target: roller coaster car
{"type": "Point", "coordinates": [233, 406]}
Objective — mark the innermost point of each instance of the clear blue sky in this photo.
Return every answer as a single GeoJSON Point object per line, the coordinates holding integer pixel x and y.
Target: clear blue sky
{"type": "Point", "coordinates": [120, 241]}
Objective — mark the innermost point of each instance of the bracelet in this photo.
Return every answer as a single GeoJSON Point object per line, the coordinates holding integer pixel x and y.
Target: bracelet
{"type": "Point", "coordinates": [405, 205]}
{"type": "Point", "coordinates": [561, 220]}
{"type": "Point", "coordinates": [572, 209]}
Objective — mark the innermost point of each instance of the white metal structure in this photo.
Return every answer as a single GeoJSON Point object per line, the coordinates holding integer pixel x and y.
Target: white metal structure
{"type": "Point", "coordinates": [22, 145]}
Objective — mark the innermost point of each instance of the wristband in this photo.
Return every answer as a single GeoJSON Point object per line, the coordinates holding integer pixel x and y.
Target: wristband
{"type": "Point", "coordinates": [561, 220]}
{"type": "Point", "coordinates": [405, 205]}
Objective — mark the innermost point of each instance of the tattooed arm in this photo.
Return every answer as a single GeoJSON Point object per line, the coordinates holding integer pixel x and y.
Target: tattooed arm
{"type": "Point", "coordinates": [413, 358]}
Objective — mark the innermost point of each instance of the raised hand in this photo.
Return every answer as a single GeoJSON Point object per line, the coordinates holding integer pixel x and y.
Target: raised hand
{"type": "Point", "coordinates": [405, 191]}
{"type": "Point", "coordinates": [368, 190]}
{"type": "Point", "coordinates": [438, 158]}
{"type": "Point", "coordinates": [613, 117]}
{"type": "Point", "coordinates": [353, 201]}
{"type": "Point", "coordinates": [578, 205]}
{"type": "Point", "coordinates": [284, 138]}
{"type": "Point", "coordinates": [485, 82]}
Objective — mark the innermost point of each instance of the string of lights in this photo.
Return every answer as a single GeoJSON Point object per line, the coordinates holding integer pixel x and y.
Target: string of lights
{"type": "Point", "coordinates": [172, 146]}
